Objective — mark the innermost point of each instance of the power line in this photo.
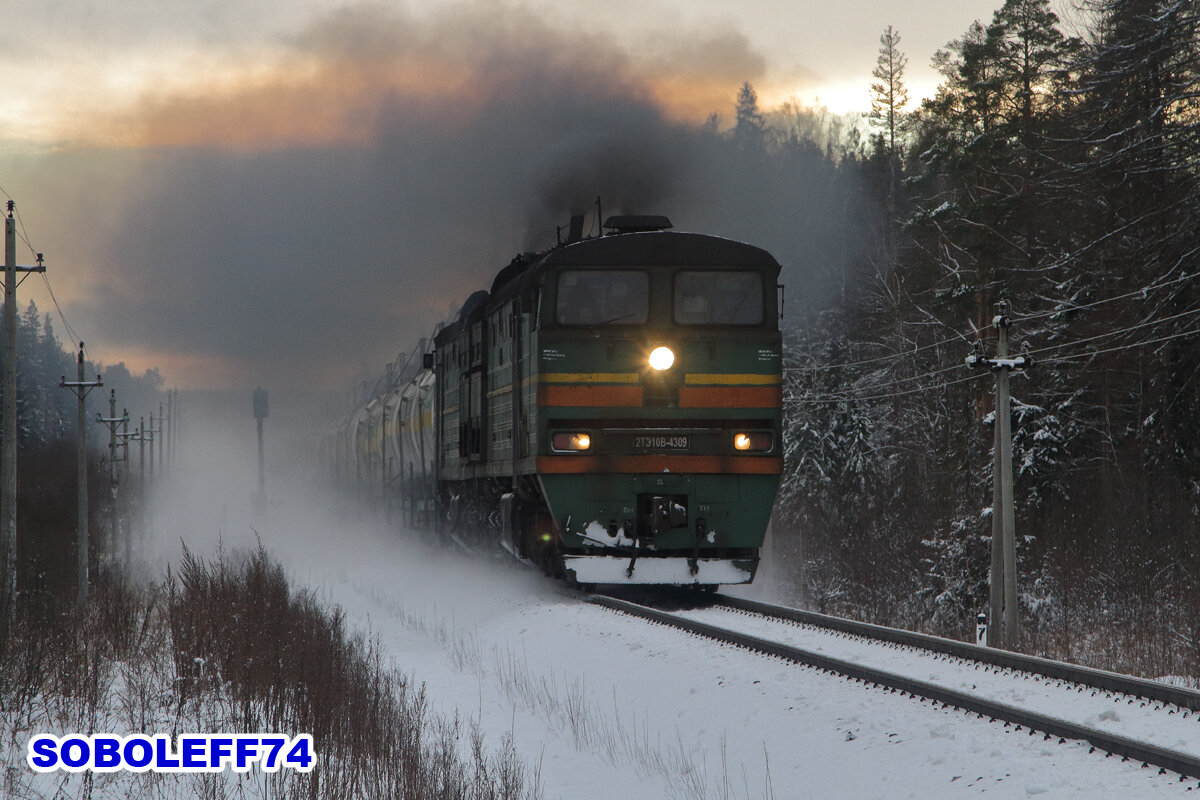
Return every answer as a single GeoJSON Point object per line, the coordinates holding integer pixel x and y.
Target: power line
{"type": "Point", "coordinates": [897, 356]}
{"type": "Point", "coordinates": [71, 331]}
{"type": "Point", "coordinates": [826, 398]}
{"type": "Point", "coordinates": [876, 360]}
{"type": "Point", "coordinates": [1130, 346]}
{"type": "Point", "coordinates": [1109, 334]}
{"type": "Point", "coordinates": [898, 381]}
{"type": "Point", "coordinates": [961, 337]}
{"type": "Point", "coordinates": [24, 236]}
{"type": "Point", "coordinates": [1136, 293]}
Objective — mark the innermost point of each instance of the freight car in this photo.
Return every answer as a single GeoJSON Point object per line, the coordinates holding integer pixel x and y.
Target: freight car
{"type": "Point", "coordinates": [610, 410]}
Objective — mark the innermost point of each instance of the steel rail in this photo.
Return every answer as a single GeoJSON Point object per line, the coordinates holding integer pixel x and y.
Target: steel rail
{"type": "Point", "coordinates": [1148, 754]}
{"type": "Point", "coordinates": [1059, 670]}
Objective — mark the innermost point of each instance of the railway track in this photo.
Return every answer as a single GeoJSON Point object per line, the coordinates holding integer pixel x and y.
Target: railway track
{"type": "Point", "coordinates": [1087, 703]}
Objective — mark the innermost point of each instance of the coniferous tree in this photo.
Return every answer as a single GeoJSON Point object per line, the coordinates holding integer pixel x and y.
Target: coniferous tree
{"type": "Point", "coordinates": [749, 131]}
{"type": "Point", "coordinates": [889, 95]}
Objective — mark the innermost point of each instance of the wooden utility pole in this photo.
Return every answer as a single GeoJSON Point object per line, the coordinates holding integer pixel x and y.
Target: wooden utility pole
{"type": "Point", "coordinates": [8, 456]}
{"type": "Point", "coordinates": [81, 388]}
{"type": "Point", "coordinates": [1003, 630]}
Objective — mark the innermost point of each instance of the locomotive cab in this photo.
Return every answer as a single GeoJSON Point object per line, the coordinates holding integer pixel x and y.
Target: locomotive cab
{"type": "Point", "coordinates": [658, 407]}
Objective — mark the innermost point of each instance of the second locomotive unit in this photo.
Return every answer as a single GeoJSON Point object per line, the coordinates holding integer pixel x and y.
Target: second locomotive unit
{"type": "Point", "coordinates": [610, 409]}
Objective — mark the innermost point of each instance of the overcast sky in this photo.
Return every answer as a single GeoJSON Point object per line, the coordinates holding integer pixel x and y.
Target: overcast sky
{"type": "Point", "coordinates": [289, 192]}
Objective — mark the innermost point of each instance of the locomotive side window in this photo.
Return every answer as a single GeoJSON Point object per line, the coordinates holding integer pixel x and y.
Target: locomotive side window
{"type": "Point", "coordinates": [718, 297]}
{"type": "Point", "coordinates": [603, 297]}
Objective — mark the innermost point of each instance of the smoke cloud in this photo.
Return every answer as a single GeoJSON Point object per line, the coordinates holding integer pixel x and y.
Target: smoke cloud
{"type": "Point", "coordinates": [306, 220]}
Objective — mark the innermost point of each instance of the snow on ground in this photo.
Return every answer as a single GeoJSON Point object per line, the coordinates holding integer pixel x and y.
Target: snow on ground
{"type": "Point", "coordinates": [607, 706]}
{"type": "Point", "coordinates": [1120, 714]}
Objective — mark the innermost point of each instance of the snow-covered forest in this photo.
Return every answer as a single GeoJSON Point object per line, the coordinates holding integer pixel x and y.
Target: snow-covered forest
{"type": "Point", "coordinates": [47, 418]}
{"type": "Point", "coordinates": [1056, 169]}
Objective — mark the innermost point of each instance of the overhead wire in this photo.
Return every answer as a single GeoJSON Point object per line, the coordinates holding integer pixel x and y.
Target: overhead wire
{"type": "Point", "coordinates": [1142, 292]}
{"type": "Point", "coordinates": [23, 234]}
{"type": "Point", "coordinates": [899, 381]}
{"type": "Point", "coordinates": [1018, 318]}
{"type": "Point", "coordinates": [1110, 334]}
{"type": "Point", "coordinates": [1129, 346]}
{"type": "Point", "coordinates": [842, 397]}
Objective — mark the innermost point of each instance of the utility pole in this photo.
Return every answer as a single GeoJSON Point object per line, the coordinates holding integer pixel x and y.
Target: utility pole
{"type": "Point", "coordinates": [1003, 630]}
{"type": "Point", "coordinates": [112, 421]}
{"type": "Point", "coordinates": [152, 433]}
{"type": "Point", "coordinates": [141, 439]}
{"type": "Point", "coordinates": [127, 492]}
{"type": "Point", "coordinates": [161, 435]}
{"type": "Point", "coordinates": [8, 458]}
{"type": "Point", "coordinates": [176, 428]}
{"type": "Point", "coordinates": [169, 438]}
{"type": "Point", "coordinates": [81, 389]}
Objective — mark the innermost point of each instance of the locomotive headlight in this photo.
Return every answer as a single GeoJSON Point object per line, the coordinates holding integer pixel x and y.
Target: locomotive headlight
{"type": "Point", "coordinates": [570, 442]}
{"type": "Point", "coordinates": [753, 441]}
{"type": "Point", "coordinates": [661, 358]}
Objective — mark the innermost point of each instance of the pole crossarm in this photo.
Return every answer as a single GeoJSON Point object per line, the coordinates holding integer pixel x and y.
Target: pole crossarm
{"type": "Point", "coordinates": [26, 270]}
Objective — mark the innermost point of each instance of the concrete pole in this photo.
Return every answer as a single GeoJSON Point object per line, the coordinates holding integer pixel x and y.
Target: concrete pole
{"type": "Point", "coordinates": [169, 438]}
{"type": "Point", "coordinates": [161, 435]}
{"type": "Point", "coordinates": [153, 435]}
{"type": "Point", "coordinates": [127, 495]}
{"type": "Point", "coordinates": [111, 540]}
{"type": "Point", "coordinates": [995, 630]}
{"type": "Point", "coordinates": [8, 461]}
{"type": "Point", "coordinates": [142, 457]}
{"type": "Point", "coordinates": [1012, 637]}
{"type": "Point", "coordinates": [81, 389]}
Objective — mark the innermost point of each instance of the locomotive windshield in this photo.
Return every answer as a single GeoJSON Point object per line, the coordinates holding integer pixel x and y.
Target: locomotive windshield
{"type": "Point", "coordinates": [718, 297]}
{"type": "Point", "coordinates": [603, 297]}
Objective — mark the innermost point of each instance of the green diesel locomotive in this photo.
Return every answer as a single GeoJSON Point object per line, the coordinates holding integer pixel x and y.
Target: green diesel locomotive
{"type": "Point", "coordinates": [609, 410]}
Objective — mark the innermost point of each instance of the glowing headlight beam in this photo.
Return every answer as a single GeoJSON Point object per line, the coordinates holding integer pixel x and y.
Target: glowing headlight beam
{"type": "Point", "coordinates": [661, 358]}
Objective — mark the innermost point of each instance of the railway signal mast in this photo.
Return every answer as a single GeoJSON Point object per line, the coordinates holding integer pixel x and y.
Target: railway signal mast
{"type": "Point", "coordinates": [261, 410]}
{"type": "Point", "coordinates": [1003, 630]}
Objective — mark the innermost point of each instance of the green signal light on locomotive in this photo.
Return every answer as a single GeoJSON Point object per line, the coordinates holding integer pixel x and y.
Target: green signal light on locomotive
{"type": "Point", "coordinates": [661, 358]}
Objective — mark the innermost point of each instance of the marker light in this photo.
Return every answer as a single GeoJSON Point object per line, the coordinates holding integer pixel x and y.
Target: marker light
{"type": "Point", "coordinates": [661, 358]}
{"type": "Point", "coordinates": [570, 441]}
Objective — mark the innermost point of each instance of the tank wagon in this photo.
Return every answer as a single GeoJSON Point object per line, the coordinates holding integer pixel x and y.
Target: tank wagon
{"type": "Point", "coordinates": [609, 409]}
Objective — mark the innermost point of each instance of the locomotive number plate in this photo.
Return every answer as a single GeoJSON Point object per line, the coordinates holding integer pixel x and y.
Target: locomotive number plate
{"type": "Point", "coordinates": [658, 441]}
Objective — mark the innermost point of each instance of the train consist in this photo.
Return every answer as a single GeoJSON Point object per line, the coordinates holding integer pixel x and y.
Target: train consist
{"type": "Point", "coordinates": [609, 410]}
